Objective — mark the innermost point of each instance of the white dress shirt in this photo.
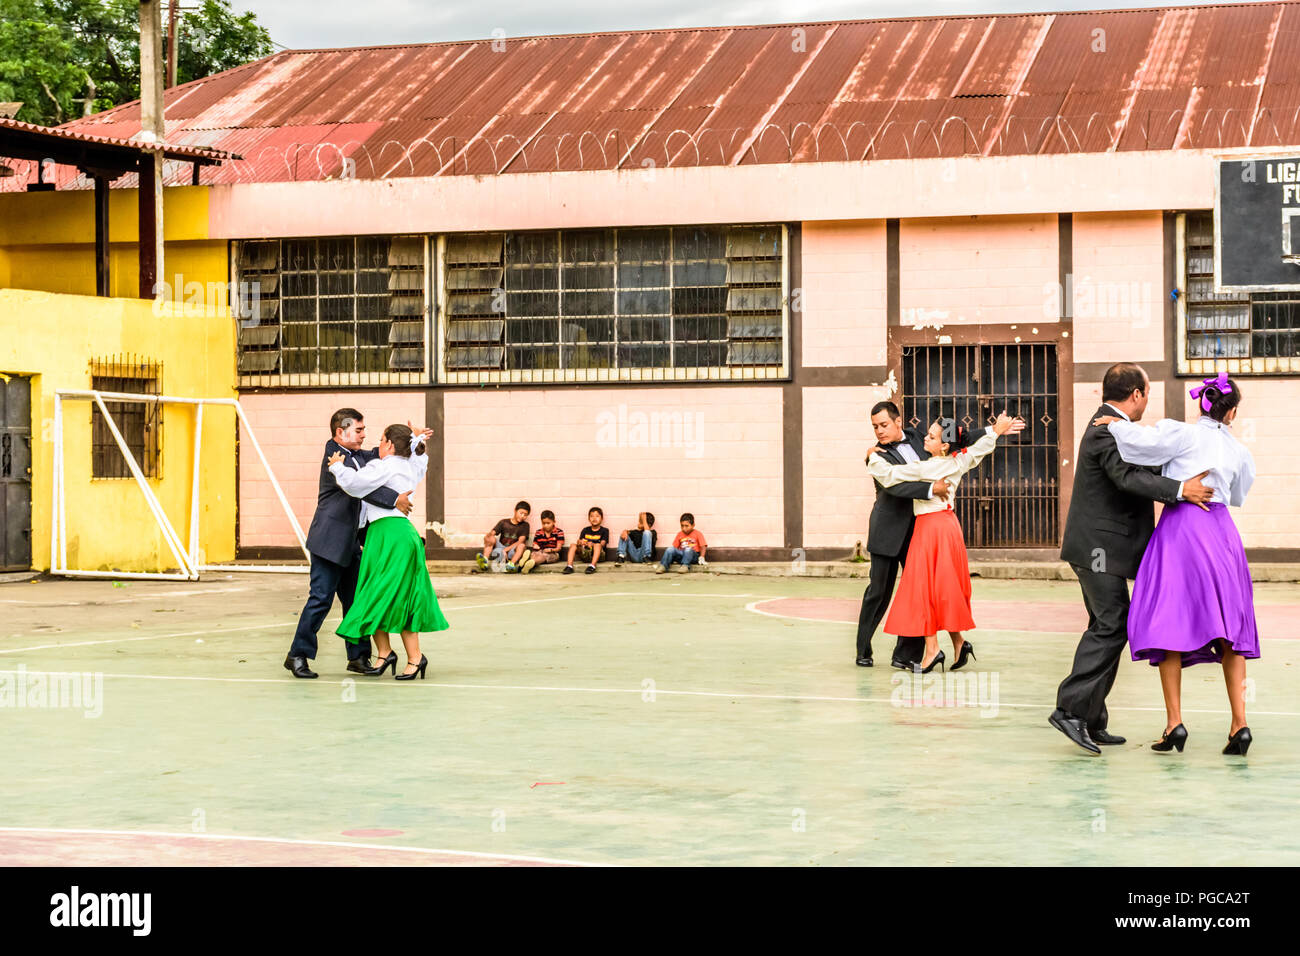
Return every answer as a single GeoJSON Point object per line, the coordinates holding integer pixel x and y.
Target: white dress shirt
{"type": "Point", "coordinates": [1131, 461]}
{"type": "Point", "coordinates": [400, 474]}
{"type": "Point", "coordinates": [1184, 449]}
{"type": "Point", "coordinates": [950, 468]}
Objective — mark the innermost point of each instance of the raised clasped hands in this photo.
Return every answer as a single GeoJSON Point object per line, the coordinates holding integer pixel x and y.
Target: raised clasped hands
{"type": "Point", "coordinates": [1006, 425]}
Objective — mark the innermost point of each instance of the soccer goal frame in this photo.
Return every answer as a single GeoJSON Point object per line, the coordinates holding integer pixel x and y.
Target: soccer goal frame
{"type": "Point", "coordinates": [188, 557]}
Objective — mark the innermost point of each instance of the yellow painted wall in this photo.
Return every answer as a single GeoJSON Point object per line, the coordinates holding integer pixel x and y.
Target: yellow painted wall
{"type": "Point", "coordinates": [52, 338]}
{"type": "Point", "coordinates": [47, 243]}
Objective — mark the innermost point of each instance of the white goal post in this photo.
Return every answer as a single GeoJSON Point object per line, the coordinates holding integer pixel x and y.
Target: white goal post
{"type": "Point", "coordinates": [188, 558]}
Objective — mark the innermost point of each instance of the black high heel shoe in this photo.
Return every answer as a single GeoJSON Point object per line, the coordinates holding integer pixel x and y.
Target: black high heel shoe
{"type": "Point", "coordinates": [966, 651]}
{"type": "Point", "coordinates": [424, 662]}
{"type": "Point", "coordinates": [938, 659]}
{"type": "Point", "coordinates": [1239, 742]}
{"type": "Point", "coordinates": [384, 664]}
{"type": "Point", "coordinates": [1173, 740]}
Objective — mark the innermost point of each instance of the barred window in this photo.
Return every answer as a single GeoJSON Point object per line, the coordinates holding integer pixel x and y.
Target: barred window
{"type": "Point", "coordinates": [140, 423]}
{"type": "Point", "coordinates": [687, 302]}
{"type": "Point", "coordinates": [1239, 332]}
{"type": "Point", "coordinates": [348, 310]}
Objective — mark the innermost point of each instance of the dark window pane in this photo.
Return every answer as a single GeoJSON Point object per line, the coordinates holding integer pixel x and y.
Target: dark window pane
{"type": "Point", "coordinates": [643, 302]}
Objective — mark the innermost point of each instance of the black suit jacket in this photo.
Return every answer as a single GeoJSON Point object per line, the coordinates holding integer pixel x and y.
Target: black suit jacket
{"type": "Point", "coordinates": [1111, 512]}
{"type": "Point", "coordinates": [333, 533]}
{"type": "Point", "coordinates": [891, 515]}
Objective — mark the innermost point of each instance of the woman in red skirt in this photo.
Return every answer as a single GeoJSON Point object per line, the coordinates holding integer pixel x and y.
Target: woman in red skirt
{"type": "Point", "coordinates": [934, 593]}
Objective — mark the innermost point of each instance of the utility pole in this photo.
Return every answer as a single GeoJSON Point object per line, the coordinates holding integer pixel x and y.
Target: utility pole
{"type": "Point", "coordinates": [152, 131]}
{"type": "Point", "coordinates": [173, 14]}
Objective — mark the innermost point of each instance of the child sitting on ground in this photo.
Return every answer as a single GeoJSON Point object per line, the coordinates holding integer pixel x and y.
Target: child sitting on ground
{"type": "Point", "coordinates": [688, 547]}
{"type": "Point", "coordinates": [638, 543]}
{"type": "Point", "coordinates": [504, 545]}
{"type": "Point", "coordinates": [547, 544]}
{"type": "Point", "coordinates": [591, 544]}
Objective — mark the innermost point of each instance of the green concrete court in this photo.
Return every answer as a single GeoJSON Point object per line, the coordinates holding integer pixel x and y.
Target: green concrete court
{"type": "Point", "coordinates": [618, 718]}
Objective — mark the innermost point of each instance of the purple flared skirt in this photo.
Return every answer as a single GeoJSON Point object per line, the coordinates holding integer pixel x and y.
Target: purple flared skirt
{"type": "Point", "coordinates": [1193, 589]}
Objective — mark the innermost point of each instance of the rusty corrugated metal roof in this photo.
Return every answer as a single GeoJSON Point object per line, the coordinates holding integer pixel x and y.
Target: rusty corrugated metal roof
{"type": "Point", "coordinates": [1080, 81]}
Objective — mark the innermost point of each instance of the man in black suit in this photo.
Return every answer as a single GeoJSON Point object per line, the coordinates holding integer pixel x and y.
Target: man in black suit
{"type": "Point", "coordinates": [334, 541]}
{"type": "Point", "coordinates": [890, 532]}
{"type": "Point", "coordinates": [1106, 532]}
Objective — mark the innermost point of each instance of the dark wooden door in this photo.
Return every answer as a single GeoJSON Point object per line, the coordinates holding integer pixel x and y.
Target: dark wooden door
{"type": "Point", "coordinates": [1012, 499]}
{"type": "Point", "coordinates": [15, 473]}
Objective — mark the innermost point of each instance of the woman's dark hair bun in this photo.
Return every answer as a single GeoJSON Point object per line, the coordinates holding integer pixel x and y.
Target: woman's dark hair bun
{"type": "Point", "coordinates": [1221, 402]}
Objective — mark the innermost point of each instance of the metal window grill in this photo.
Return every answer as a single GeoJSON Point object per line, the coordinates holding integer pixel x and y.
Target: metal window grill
{"type": "Point", "coordinates": [140, 423]}
{"type": "Point", "coordinates": [599, 304]}
{"type": "Point", "coordinates": [1012, 498]}
{"type": "Point", "coordinates": [346, 310]}
{"type": "Point", "coordinates": [1240, 332]}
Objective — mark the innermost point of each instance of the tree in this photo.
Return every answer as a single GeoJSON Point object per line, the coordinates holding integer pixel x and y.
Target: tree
{"type": "Point", "coordinates": [67, 58]}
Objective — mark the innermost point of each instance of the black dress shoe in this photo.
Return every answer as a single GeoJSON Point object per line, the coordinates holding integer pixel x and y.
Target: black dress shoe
{"type": "Point", "coordinates": [1239, 742]}
{"type": "Point", "coordinates": [1104, 736]}
{"type": "Point", "coordinates": [1174, 739]}
{"type": "Point", "coordinates": [901, 665]}
{"type": "Point", "coordinates": [967, 651]}
{"type": "Point", "coordinates": [384, 664]}
{"type": "Point", "coordinates": [298, 665]}
{"type": "Point", "coordinates": [360, 665]}
{"type": "Point", "coordinates": [866, 662]}
{"type": "Point", "coordinates": [1074, 728]}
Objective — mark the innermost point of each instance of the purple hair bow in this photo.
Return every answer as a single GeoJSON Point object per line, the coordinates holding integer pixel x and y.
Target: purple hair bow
{"type": "Point", "coordinates": [1221, 383]}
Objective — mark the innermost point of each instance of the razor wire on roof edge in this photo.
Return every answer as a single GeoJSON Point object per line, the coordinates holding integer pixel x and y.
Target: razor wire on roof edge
{"type": "Point", "coordinates": [947, 137]}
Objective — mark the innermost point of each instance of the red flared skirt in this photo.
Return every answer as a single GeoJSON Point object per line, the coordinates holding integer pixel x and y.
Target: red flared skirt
{"type": "Point", "coordinates": [934, 593]}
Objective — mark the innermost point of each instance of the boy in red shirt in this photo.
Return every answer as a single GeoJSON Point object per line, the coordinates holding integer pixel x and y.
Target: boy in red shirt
{"type": "Point", "coordinates": [688, 547]}
{"type": "Point", "coordinates": [548, 542]}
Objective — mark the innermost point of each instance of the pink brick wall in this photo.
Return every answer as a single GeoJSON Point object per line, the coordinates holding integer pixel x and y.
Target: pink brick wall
{"type": "Point", "coordinates": [843, 295]}
{"type": "Point", "coordinates": [837, 492]}
{"type": "Point", "coordinates": [1118, 296]}
{"type": "Point", "coordinates": [292, 428]}
{"type": "Point", "coordinates": [972, 270]}
{"type": "Point", "coordinates": [716, 452]}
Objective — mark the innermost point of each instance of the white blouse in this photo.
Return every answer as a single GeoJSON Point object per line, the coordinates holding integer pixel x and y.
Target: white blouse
{"type": "Point", "coordinates": [950, 468]}
{"type": "Point", "coordinates": [400, 474]}
{"type": "Point", "coordinates": [1185, 449]}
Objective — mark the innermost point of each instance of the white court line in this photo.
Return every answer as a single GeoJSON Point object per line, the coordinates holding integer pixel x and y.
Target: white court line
{"type": "Point", "coordinates": [330, 843]}
{"type": "Point", "coordinates": [254, 627]}
{"type": "Point", "coordinates": [729, 695]}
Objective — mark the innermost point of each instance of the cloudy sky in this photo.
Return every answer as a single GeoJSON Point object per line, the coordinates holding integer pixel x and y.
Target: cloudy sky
{"type": "Point", "coordinates": [325, 23]}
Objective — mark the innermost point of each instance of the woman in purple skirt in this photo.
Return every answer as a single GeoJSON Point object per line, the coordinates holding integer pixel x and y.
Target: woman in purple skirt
{"type": "Point", "coordinates": [1192, 601]}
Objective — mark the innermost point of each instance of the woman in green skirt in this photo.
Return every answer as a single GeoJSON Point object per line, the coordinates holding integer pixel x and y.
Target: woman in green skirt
{"type": "Point", "coordinates": [394, 592]}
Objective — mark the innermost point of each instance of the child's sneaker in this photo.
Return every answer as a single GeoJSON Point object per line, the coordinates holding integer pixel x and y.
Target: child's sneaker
{"type": "Point", "coordinates": [481, 561]}
{"type": "Point", "coordinates": [528, 564]}
{"type": "Point", "coordinates": [660, 569]}
{"type": "Point", "coordinates": [591, 569]}
{"type": "Point", "coordinates": [618, 561]}
{"type": "Point", "coordinates": [512, 568]}
{"type": "Point", "coordinates": [568, 569]}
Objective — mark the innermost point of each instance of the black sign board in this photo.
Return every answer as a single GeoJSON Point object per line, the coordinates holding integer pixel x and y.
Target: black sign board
{"type": "Point", "coordinates": [1257, 225]}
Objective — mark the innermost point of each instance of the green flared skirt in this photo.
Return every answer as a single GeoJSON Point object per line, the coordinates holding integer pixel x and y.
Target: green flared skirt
{"type": "Point", "coordinates": [394, 592]}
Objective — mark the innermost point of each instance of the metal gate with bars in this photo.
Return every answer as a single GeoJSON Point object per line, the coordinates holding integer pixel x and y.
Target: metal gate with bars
{"type": "Point", "coordinates": [15, 473]}
{"type": "Point", "coordinates": [1013, 498]}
